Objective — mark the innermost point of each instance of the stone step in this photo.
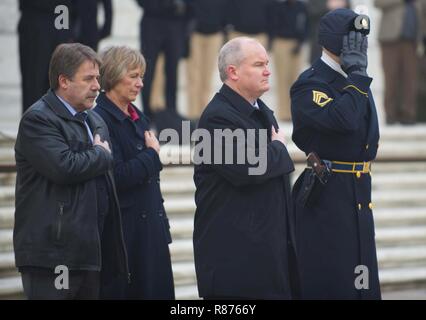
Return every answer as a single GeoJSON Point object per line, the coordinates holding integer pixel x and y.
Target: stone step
{"type": "Point", "coordinates": [11, 287]}
{"type": "Point", "coordinates": [399, 180]}
{"type": "Point", "coordinates": [401, 216]}
{"type": "Point", "coordinates": [7, 179]}
{"type": "Point", "coordinates": [409, 149]}
{"type": "Point", "coordinates": [7, 217]}
{"type": "Point", "coordinates": [399, 132]}
{"type": "Point", "coordinates": [400, 236]}
{"type": "Point", "coordinates": [394, 277]}
{"type": "Point", "coordinates": [7, 195]}
{"type": "Point", "coordinates": [176, 173]}
{"type": "Point", "coordinates": [176, 206]}
{"type": "Point", "coordinates": [184, 273]}
{"type": "Point", "coordinates": [398, 198]}
{"type": "Point", "coordinates": [182, 250]}
{"type": "Point", "coordinates": [6, 240]}
{"type": "Point", "coordinates": [7, 155]}
{"type": "Point", "coordinates": [181, 227]}
{"type": "Point", "coordinates": [182, 187]}
{"type": "Point", "coordinates": [402, 256]}
{"type": "Point", "coordinates": [7, 138]}
{"type": "Point", "coordinates": [7, 260]}
{"type": "Point", "coordinates": [405, 294]}
{"type": "Point", "coordinates": [187, 292]}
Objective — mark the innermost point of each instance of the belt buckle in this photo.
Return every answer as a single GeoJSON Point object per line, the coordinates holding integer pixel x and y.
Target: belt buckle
{"type": "Point", "coordinates": [366, 167]}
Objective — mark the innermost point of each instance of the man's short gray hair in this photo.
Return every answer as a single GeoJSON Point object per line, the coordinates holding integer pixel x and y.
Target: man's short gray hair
{"type": "Point", "coordinates": [231, 53]}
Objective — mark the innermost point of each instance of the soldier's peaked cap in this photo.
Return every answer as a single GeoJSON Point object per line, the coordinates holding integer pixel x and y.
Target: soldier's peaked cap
{"type": "Point", "coordinates": [333, 26]}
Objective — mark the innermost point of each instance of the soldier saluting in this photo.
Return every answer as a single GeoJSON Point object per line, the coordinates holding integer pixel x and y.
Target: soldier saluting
{"type": "Point", "coordinates": [335, 119]}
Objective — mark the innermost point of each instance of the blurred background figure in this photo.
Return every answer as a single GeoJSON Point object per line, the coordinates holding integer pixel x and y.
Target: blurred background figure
{"type": "Point", "coordinates": [288, 27]}
{"type": "Point", "coordinates": [248, 18]}
{"type": "Point", "coordinates": [400, 35]}
{"type": "Point", "coordinates": [38, 37]}
{"type": "Point", "coordinates": [162, 29]}
{"type": "Point", "coordinates": [421, 97]}
{"type": "Point", "coordinates": [206, 40]}
{"type": "Point", "coordinates": [316, 9]}
{"type": "Point", "coordinates": [87, 30]}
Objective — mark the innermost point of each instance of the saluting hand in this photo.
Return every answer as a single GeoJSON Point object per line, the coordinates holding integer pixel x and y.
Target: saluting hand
{"type": "Point", "coordinates": [278, 135]}
{"type": "Point", "coordinates": [354, 53]}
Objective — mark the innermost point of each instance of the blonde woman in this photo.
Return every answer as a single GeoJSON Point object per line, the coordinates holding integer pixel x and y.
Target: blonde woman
{"type": "Point", "coordinates": [136, 170]}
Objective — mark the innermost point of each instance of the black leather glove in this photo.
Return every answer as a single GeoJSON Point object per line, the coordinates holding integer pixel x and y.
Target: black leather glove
{"type": "Point", "coordinates": [354, 53]}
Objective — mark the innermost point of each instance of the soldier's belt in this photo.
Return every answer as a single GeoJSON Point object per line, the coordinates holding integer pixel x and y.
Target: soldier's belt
{"type": "Point", "coordinates": [350, 167]}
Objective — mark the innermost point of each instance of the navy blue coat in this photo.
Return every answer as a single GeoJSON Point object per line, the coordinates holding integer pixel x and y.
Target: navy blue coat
{"type": "Point", "coordinates": [336, 233]}
{"type": "Point", "coordinates": [243, 223]}
{"type": "Point", "coordinates": [145, 224]}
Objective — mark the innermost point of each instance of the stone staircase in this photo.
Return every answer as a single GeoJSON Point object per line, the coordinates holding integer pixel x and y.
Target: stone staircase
{"type": "Point", "coordinates": [399, 197]}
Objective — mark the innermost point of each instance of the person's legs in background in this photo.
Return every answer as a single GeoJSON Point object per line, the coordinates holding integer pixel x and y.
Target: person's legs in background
{"type": "Point", "coordinates": [391, 63]}
{"type": "Point", "coordinates": [409, 83]}
{"type": "Point", "coordinates": [287, 67]}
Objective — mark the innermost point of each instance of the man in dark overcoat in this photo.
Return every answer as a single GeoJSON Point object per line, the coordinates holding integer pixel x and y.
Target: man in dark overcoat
{"type": "Point", "coordinates": [243, 223]}
{"type": "Point", "coordinates": [334, 115]}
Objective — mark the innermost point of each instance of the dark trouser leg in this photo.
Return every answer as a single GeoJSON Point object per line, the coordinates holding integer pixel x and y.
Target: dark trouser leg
{"type": "Point", "coordinates": [41, 285]}
{"type": "Point", "coordinates": [409, 81]}
{"type": "Point", "coordinates": [390, 60]}
{"type": "Point", "coordinates": [151, 42]}
{"type": "Point", "coordinates": [173, 51]}
{"type": "Point", "coordinates": [34, 56]}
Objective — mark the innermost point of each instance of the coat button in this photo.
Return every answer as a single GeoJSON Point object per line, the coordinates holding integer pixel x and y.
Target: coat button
{"type": "Point", "coordinates": [359, 206]}
{"type": "Point", "coordinates": [139, 146]}
{"type": "Point", "coordinates": [366, 147]}
{"type": "Point", "coordinates": [143, 214]}
{"type": "Point", "coordinates": [160, 213]}
{"type": "Point", "coordinates": [370, 205]}
{"type": "Point", "coordinates": [358, 174]}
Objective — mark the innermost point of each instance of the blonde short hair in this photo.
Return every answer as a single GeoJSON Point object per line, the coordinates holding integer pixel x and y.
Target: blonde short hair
{"type": "Point", "coordinates": [116, 61]}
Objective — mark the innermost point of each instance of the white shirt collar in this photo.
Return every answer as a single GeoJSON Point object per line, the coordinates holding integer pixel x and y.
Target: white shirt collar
{"type": "Point", "coordinates": [68, 106]}
{"type": "Point", "coordinates": [332, 64]}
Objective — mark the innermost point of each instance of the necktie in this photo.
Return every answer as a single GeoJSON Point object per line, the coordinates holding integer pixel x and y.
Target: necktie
{"type": "Point", "coordinates": [82, 116]}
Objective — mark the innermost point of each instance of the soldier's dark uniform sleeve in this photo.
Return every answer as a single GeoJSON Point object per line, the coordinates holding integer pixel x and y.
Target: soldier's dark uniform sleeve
{"type": "Point", "coordinates": [315, 104]}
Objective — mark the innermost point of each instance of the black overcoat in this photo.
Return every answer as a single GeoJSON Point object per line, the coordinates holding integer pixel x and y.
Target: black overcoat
{"type": "Point", "coordinates": [243, 223]}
